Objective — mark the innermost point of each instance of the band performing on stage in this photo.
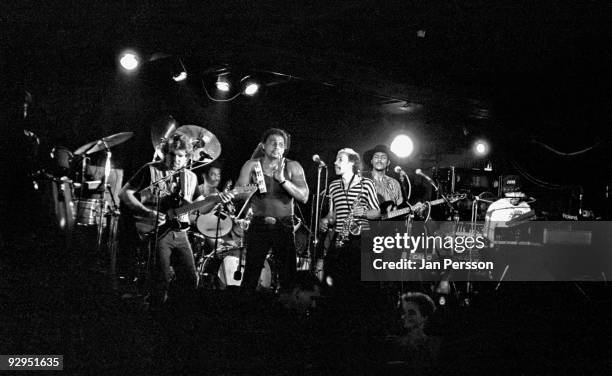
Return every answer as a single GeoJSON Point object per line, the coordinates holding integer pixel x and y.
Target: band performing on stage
{"type": "Point", "coordinates": [174, 232]}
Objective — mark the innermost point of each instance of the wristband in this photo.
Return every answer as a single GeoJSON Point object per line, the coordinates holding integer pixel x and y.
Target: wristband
{"type": "Point", "coordinates": [283, 182]}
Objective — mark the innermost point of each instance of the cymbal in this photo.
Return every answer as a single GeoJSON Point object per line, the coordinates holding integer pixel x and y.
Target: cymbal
{"type": "Point", "coordinates": [206, 147]}
{"type": "Point", "coordinates": [104, 143]}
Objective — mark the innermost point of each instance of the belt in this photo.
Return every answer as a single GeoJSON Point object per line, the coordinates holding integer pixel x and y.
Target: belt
{"type": "Point", "coordinates": [271, 220]}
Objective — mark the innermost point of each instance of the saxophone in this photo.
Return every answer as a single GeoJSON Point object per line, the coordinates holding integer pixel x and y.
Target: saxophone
{"type": "Point", "coordinates": [350, 226]}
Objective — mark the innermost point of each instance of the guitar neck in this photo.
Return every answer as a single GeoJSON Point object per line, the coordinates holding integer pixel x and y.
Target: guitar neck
{"type": "Point", "coordinates": [436, 202]}
{"type": "Point", "coordinates": [396, 213]}
{"type": "Point", "coordinates": [210, 200]}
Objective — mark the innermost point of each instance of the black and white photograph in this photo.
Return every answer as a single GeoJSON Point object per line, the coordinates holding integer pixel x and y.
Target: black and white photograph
{"type": "Point", "coordinates": [350, 187]}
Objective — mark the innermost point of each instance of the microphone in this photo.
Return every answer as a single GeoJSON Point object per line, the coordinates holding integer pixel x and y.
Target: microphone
{"type": "Point", "coordinates": [430, 180]}
{"type": "Point", "coordinates": [318, 160]}
{"type": "Point", "coordinates": [400, 171]}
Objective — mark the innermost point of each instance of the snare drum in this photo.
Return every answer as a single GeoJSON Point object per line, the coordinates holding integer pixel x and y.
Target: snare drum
{"type": "Point", "coordinates": [88, 212]}
{"type": "Point", "coordinates": [229, 265]}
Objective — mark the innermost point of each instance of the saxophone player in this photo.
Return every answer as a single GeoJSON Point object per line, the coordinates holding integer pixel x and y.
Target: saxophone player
{"type": "Point", "coordinates": [353, 202]}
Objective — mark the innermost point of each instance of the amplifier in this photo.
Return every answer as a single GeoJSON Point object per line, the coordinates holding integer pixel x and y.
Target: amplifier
{"type": "Point", "coordinates": [567, 237]}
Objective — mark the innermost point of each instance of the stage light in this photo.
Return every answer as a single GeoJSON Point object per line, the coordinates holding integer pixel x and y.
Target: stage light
{"type": "Point", "coordinates": [402, 146]}
{"type": "Point", "coordinates": [481, 148]}
{"type": "Point", "coordinates": [222, 84]}
{"type": "Point", "coordinates": [129, 61]}
{"type": "Point", "coordinates": [251, 88]}
{"type": "Point", "coordinates": [180, 73]}
{"type": "Point", "coordinates": [180, 77]}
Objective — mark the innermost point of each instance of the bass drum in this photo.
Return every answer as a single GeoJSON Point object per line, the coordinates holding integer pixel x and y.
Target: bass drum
{"type": "Point", "coordinates": [207, 224]}
{"type": "Point", "coordinates": [229, 265]}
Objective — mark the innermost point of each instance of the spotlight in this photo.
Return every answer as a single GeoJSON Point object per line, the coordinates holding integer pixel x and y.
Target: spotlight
{"type": "Point", "coordinates": [180, 77]}
{"type": "Point", "coordinates": [222, 84]}
{"type": "Point", "coordinates": [481, 148]}
{"type": "Point", "coordinates": [129, 61]}
{"type": "Point", "coordinates": [180, 73]}
{"type": "Point", "coordinates": [402, 146]}
{"type": "Point", "coordinates": [251, 88]}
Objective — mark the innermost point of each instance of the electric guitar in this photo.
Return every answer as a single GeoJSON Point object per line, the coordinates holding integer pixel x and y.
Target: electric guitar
{"type": "Point", "coordinates": [169, 220]}
{"type": "Point", "coordinates": [418, 207]}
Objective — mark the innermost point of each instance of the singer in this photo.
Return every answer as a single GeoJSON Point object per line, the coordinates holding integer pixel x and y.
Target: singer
{"type": "Point", "coordinates": [388, 189]}
{"type": "Point", "coordinates": [142, 201]}
{"type": "Point", "coordinates": [280, 181]}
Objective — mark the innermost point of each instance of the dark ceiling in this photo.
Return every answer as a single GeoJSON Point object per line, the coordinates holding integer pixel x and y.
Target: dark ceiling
{"type": "Point", "coordinates": [513, 71]}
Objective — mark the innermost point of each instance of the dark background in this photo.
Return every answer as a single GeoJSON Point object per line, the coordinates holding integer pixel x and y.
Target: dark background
{"type": "Point", "coordinates": [513, 72]}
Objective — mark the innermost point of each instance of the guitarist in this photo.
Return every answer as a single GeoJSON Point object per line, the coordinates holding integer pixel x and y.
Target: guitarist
{"type": "Point", "coordinates": [388, 189]}
{"type": "Point", "coordinates": [178, 189]}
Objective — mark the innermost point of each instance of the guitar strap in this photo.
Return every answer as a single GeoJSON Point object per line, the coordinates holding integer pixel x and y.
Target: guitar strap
{"type": "Point", "coordinates": [259, 178]}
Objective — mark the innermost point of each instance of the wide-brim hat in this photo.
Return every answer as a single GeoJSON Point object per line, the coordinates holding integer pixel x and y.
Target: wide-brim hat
{"type": "Point", "coordinates": [367, 156]}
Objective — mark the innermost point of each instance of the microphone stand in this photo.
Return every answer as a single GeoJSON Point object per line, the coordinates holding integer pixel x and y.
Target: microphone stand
{"type": "Point", "coordinates": [318, 207]}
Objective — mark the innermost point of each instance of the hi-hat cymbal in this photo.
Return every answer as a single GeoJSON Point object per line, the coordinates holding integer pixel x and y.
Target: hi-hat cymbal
{"type": "Point", "coordinates": [104, 143]}
{"type": "Point", "coordinates": [206, 146]}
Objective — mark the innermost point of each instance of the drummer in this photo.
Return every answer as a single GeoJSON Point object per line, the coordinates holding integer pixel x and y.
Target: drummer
{"type": "Point", "coordinates": [211, 178]}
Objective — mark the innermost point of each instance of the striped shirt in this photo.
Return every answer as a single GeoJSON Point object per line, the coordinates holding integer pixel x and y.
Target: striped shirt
{"type": "Point", "coordinates": [367, 197]}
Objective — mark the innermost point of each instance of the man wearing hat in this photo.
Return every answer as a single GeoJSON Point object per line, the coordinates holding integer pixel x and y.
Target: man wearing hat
{"type": "Point", "coordinates": [387, 188]}
{"type": "Point", "coordinates": [507, 208]}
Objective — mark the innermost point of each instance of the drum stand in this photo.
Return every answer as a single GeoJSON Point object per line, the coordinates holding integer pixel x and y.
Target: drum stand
{"type": "Point", "coordinates": [112, 239]}
{"type": "Point", "coordinates": [107, 168]}
{"type": "Point", "coordinates": [213, 254]}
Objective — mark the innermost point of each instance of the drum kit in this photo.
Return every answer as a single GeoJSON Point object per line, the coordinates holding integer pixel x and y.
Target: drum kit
{"type": "Point", "coordinates": [67, 173]}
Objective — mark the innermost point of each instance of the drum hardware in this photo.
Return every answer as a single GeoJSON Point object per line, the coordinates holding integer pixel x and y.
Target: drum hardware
{"type": "Point", "coordinates": [103, 144]}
